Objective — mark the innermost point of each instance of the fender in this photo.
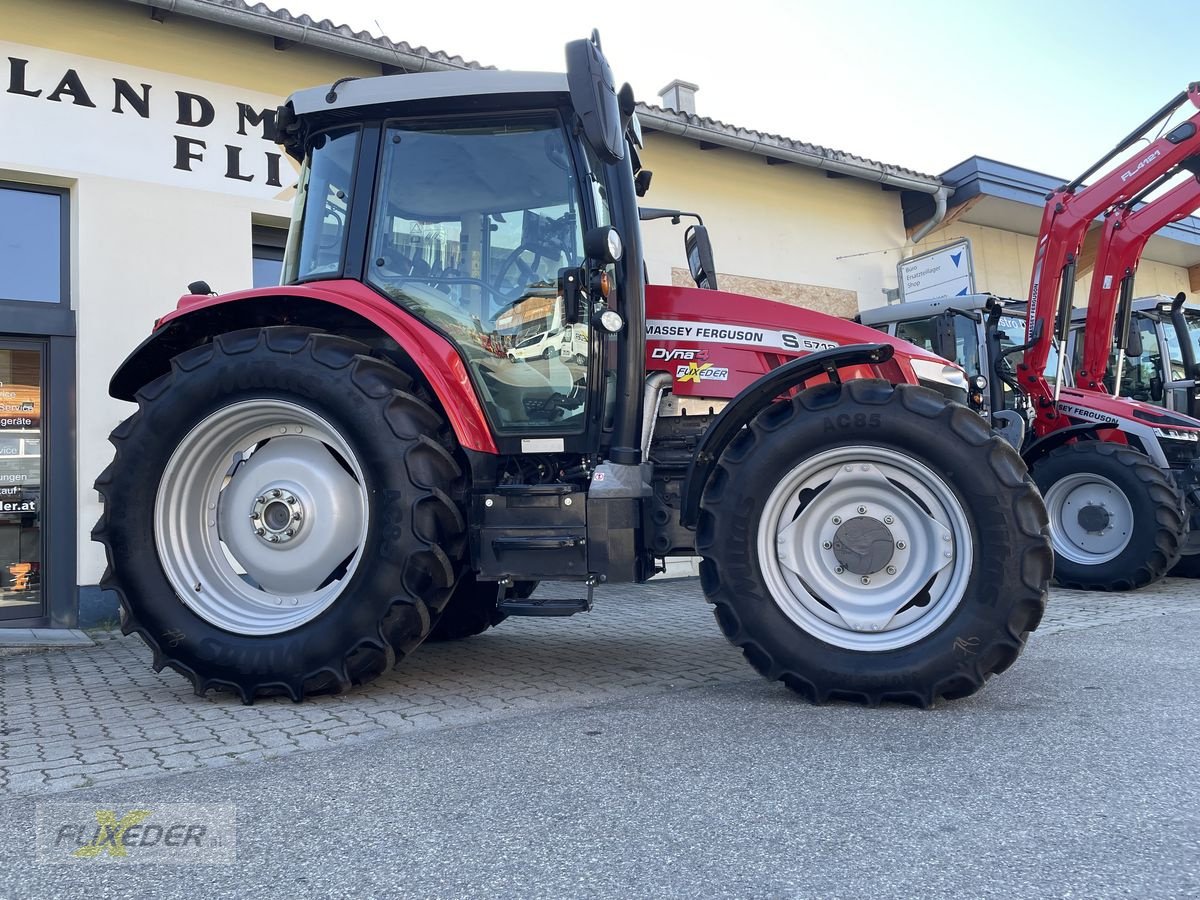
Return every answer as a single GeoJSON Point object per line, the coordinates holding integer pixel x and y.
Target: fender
{"type": "Point", "coordinates": [753, 399]}
{"type": "Point", "coordinates": [322, 305]}
{"type": "Point", "coordinates": [1056, 439]}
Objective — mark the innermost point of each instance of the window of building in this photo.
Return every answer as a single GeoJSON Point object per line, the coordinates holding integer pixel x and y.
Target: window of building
{"type": "Point", "coordinates": [268, 255]}
{"type": "Point", "coordinates": [32, 244]}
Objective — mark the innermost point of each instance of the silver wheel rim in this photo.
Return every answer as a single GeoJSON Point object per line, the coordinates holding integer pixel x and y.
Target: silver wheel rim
{"type": "Point", "coordinates": [900, 527]}
{"type": "Point", "coordinates": [1091, 519]}
{"type": "Point", "coordinates": [261, 517]}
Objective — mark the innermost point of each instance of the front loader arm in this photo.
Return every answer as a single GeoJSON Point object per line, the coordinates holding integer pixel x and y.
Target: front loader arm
{"type": "Point", "coordinates": [1068, 214]}
{"type": "Point", "coordinates": [1122, 241]}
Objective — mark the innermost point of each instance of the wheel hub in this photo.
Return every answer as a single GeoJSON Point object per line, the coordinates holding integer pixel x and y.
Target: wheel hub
{"type": "Point", "coordinates": [277, 516]}
{"type": "Point", "coordinates": [863, 545]}
{"type": "Point", "coordinates": [861, 549]}
{"type": "Point", "coordinates": [261, 516]}
{"type": "Point", "coordinates": [1095, 518]}
{"type": "Point", "coordinates": [1091, 519]}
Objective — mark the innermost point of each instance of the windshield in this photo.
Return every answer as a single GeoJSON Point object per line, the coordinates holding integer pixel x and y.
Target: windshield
{"type": "Point", "coordinates": [317, 236]}
{"type": "Point", "coordinates": [474, 221]}
{"type": "Point", "coordinates": [1178, 370]}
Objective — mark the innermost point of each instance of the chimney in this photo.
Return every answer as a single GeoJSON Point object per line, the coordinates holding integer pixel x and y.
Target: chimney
{"type": "Point", "coordinates": [679, 96]}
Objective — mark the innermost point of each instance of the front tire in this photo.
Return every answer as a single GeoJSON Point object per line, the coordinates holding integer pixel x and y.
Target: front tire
{"type": "Point", "coordinates": [851, 556]}
{"type": "Point", "coordinates": [1116, 519]}
{"type": "Point", "coordinates": [282, 513]}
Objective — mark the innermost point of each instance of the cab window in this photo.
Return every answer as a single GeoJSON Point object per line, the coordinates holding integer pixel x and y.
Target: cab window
{"type": "Point", "coordinates": [474, 221]}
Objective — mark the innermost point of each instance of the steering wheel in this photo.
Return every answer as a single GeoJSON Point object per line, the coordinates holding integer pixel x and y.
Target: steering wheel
{"type": "Point", "coordinates": [527, 271]}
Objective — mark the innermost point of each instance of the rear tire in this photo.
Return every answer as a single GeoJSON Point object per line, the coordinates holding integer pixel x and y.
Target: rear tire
{"type": "Point", "coordinates": [799, 611]}
{"type": "Point", "coordinates": [1134, 511]}
{"type": "Point", "coordinates": [245, 631]}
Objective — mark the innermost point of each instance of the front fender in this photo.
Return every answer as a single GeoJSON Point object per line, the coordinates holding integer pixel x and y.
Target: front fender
{"type": "Point", "coordinates": [1056, 439]}
{"type": "Point", "coordinates": [753, 399]}
{"type": "Point", "coordinates": [338, 307]}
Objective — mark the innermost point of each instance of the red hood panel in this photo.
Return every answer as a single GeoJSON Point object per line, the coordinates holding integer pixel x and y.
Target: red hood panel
{"type": "Point", "coordinates": [714, 343]}
{"type": "Point", "coordinates": [1090, 406]}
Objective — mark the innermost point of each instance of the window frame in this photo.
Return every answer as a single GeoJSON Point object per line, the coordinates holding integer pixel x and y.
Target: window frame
{"type": "Point", "coordinates": [41, 317]}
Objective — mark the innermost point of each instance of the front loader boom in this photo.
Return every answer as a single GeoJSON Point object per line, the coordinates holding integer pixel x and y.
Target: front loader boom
{"type": "Point", "coordinates": [1122, 239]}
{"type": "Point", "coordinates": [1069, 212]}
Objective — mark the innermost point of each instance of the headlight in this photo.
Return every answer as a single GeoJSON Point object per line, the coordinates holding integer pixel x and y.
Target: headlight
{"type": "Point", "coordinates": [948, 380]}
{"type": "Point", "coordinates": [1172, 434]}
{"type": "Point", "coordinates": [944, 373]}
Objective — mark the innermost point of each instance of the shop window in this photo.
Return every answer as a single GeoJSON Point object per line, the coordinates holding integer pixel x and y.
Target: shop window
{"type": "Point", "coordinates": [21, 414]}
{"type": "Point", "coordinates": [31, 244]}
{"type": "Point", "coordinates": [268, 255]}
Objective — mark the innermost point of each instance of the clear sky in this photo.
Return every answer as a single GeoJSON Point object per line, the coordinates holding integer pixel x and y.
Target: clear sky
{"type": "Point", "coordinates": [1048, 85]}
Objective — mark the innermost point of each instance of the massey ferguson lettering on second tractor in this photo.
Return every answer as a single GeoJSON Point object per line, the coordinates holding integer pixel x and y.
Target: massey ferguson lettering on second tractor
{"type": "Point", "coordinates": [322, 475]}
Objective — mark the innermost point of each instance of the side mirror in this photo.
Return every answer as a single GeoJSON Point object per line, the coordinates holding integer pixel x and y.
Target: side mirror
{"type": "Point", "coordinates": [594, 97]}
{"type": "Point", "coordinates": [1133, 343]}
{"type": "Point", "coordinates": [572, 290]}
{"type": "Point", "coordinates": [698, 248]}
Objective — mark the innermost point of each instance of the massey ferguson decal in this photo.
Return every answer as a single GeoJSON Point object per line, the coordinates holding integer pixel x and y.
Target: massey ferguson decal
{"type": "Point", "coordinates": [707, 332]}
{"type": "Point", "coordinates": [697, 372]}
{"type": "Point", "coordinates": [1088, 415]}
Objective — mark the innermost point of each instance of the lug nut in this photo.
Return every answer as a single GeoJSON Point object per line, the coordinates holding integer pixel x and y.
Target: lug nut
{"type": "Point", "coordinates": [837, 520]}
{"type": "Point", "coordinates": [261, 499]}
{"type": "Point", "coordinates": [900, 545]}
{"type": "Point", "coordinates": [276, 494]}
{"type": "Point", "coordinates": [273, 538]}
{"type": "Point", "coordinates": [866, 580]}
{"type": "Point", "coordinates": [862, 510]}
{"type": "Point", "coordinates": [891, 570]}
{"type": "Point", "coordinates": [839, 570]}
{"type": "Point", "coordinates": [254, 516]}
{"type": "Point", "coordinates": [948, 555]}
{"type": "Point", "coordinates": [291, 501]}
{"type": "Point", "coordinates": [888, 520]}
{"type": "Point", "coordinates": [827, 545]}
{"type": "Point", "coordinates": [945, 537]}
{"type": "Point", "coordinates": [260, 531]}
{"type": "Point", "coordinates": [290, 532]}
{"type": "Point", "coordinates": [297, 516]}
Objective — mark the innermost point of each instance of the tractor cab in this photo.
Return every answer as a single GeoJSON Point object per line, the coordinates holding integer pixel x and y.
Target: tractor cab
{"type": "Point", "coordinates": [467, 199]}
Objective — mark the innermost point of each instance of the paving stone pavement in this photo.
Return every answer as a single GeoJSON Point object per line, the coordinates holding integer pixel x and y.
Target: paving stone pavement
{"type": "Point", "coordinates": [75, 718]}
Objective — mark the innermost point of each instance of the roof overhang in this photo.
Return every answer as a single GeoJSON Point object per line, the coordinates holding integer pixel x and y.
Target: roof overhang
{"type": "Point", "coordinates": [999, 195]}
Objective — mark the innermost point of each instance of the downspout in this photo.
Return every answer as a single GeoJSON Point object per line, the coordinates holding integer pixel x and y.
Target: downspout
{"type": "Point", "coordinates": [939, 214]}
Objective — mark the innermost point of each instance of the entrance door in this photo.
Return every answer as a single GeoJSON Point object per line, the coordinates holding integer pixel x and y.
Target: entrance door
{"type": "Point", "coordinates": [21, 507]}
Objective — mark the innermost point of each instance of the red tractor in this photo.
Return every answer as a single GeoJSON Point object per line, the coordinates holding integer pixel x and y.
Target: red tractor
{"type": "Point", "coordinates": [322, 475]}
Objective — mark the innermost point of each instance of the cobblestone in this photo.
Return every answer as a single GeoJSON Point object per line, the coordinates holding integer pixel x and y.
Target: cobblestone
{"type": "Point", "coordinates": [83, 716]}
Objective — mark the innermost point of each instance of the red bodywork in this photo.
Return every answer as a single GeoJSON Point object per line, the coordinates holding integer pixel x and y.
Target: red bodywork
{"type": "Point", "coordinates": [759, 335]}
{"type": "Point", "coordinates": [1122, 240]}
{"type": "Point", "coordinates": [435, 356]}
{"type": "Point", "coordinates": [714, 343]}
{"type": "Point", "coordinates": [1068, 214]}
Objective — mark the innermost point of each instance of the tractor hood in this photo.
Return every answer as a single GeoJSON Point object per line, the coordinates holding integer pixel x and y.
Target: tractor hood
{"type": "Point", "coordinates": [1090, 406]}
{"type": "Point", "coordinates": [715, 343]}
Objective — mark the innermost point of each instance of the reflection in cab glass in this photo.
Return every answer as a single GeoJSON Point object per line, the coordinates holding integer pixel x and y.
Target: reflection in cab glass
{"type": "Point", "coordinates": [474, 223]}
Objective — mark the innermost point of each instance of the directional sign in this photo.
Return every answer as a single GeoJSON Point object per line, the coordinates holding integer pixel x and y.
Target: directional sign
{"type": "Point", "coordinates": [944, 272]}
